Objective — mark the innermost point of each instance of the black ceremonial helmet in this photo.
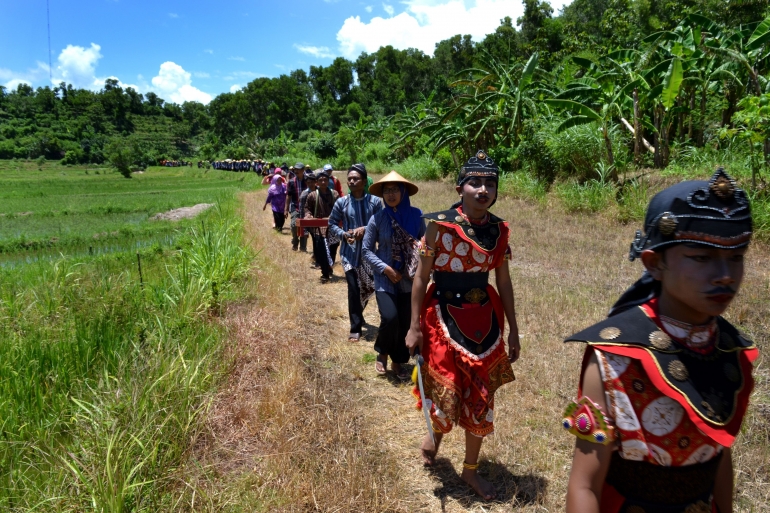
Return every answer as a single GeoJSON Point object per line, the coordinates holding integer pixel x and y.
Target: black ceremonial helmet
{"type": "Point", "coordinates": [714, 213]}
{"type": "Point", "coordinates": [479, 165]}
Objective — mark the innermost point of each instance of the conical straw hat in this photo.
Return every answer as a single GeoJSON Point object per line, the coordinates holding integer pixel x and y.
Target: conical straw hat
{"type": "Point", "coordinates": [392, 177]}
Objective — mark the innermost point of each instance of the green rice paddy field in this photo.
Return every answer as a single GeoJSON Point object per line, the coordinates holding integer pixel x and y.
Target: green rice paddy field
{"type": "Point", "coordinates": [69, 210]}
{"type": "Point", "coordinates": [104, 372]}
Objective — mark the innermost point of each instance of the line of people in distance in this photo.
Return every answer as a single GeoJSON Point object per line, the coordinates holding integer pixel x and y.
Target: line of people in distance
{"type": "Point", "coordinates": [259, 166]}
{"type": "Point", "coordinates": [175, 163]}
{"type": "Point", "coordinates": [665, 380]}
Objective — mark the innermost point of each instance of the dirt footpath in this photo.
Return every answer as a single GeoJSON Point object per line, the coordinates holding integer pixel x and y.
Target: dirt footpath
{"type": "Point", "coordinates": [305, 424]}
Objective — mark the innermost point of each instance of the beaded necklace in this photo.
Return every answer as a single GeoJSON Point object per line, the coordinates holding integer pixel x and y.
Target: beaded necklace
{"type": "Point", "coordinates": [699, 338]}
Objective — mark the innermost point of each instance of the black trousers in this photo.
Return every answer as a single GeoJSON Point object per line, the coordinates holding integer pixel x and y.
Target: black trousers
{"type": "Point", "coordinates": [355, 308]}
{"type": "Point", "coordinates": [279, 220]}
{"type": "Point", "coordinates": [395, 317]}
{"type": "Point", "coordinates": [319, 252]}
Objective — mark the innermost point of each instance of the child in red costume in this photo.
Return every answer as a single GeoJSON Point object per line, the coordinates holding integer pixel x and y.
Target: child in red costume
{"type": "Point", "coordinates": [666, 380]}
{"type": "Point", "coordinates": [458, 322]}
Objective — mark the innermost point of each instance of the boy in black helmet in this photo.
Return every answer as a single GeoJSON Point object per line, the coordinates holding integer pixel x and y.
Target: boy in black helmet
{"type": "Point", "coordinates": [666, 380]}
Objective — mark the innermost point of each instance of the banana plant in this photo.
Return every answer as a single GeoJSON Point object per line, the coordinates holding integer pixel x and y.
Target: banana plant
{"type": "Point", "coordinates": [501, 98]}
{"type": "Point", "coordinates": [599, 99]}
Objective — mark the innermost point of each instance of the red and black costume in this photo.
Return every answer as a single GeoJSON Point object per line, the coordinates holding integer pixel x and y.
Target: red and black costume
{"type": "Point", "coordinates": [676, 394]}
{"type": "Point", "coordinates": [673, 407]}
{"type": "Point", "coordinates": [463, 321]}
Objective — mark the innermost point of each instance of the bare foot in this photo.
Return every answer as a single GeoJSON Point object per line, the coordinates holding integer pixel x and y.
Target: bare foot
{"type": "Point", "coordinates": [481, 486]}
{"type": "Point", "coordinates": [428, 450]}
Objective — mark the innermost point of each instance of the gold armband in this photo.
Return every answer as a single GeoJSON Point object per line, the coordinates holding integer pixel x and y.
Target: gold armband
{"type": "Point", "coordinates": [587, 421]}
{"type": "Point", "coordinates": [427, 252]}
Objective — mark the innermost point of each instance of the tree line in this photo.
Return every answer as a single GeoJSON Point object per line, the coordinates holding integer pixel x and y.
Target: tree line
{"type": "Point", "coordinates": [647, 74]}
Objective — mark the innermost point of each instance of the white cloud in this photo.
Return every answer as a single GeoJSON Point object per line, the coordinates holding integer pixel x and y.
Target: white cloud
{"type": "Point", "coordinates": [241, 75]}
{"type": "Point", "coordinates": [424, 23]}
{"type": "Point", "coordinates": [77, 66]}
{"type": "Point", "coordinates": [368, 8]}
{"type": "Point", "coordinates": [235, 87]}
{"type": "Point", "coordinates": [12, 84]}
{"type": "Point", "coordinates": [11, 79]}
{"type": "Point", "coordinates": [201, 74]}
{"type": "Point", "coordinates": [209, 51]}
{"type": "Point", "coordinates": [236, 59]}
{"type": "Point", "coordinates": [322, 52]}
{"type": "Point", "coordinates": [173, 15]}
{"type": "Point", "coordinates": [174, 83]}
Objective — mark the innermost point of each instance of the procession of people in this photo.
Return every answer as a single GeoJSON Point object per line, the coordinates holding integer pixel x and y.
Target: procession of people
{"type": "Point", "coordinates": [664, 382]}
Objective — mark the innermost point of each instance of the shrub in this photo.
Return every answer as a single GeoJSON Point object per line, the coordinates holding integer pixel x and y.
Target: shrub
{"type": "Point", "coordinates": [578, 150]}
{"type": "Point", "coordinates": [121, 155]}
{"type": "Point", "coordinates": [376, 151]}
{"type": "Point", "coordinates": [592, 196]}
{"type": "Point", "coordinates": [573, 153]}
{"type": "Point", "coordinates": [444, 160]}
{"type": "Point", "coordinates": [533, 154]}
{"type": "Point", "coordinates": [419, 168]}
{"type": "Point", "coordinates": [633, 197]}
{"type": "Point", "coordinates": [323, 145]}
{"type": "Point", "coordinates": [523, 185]}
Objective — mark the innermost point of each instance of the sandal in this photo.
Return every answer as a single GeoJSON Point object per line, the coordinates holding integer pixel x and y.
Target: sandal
{"type": "Point", "coordinates": [379, 366]}
{"type": "Point", "coordinates": [354, 337]}
{"type": "Point", "coordinates": [400, 372]}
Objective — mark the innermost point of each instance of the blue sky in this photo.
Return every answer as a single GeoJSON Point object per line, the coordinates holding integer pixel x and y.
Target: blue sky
{"type": "Point", "coordinates": [196, 49]}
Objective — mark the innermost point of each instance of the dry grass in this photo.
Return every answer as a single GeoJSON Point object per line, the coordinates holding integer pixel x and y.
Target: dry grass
{"type": "Point", "coordinates": [304, 424]}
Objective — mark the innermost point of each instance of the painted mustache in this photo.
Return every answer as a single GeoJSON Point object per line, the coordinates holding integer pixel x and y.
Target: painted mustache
{"type": "Point", "coordinates": [720, 290]}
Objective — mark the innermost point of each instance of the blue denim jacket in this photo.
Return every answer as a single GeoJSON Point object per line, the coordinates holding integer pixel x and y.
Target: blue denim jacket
{"type": "Point", "coordinates": [352, 214]}
{"type": "Point", "coordinates": [379, 232]}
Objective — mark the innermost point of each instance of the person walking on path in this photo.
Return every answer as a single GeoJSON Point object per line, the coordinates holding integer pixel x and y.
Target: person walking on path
{"type": "Point", "coordinates": [334, 182]}
{"type": "Point", "coordinates": [458, 322]}
{"type": "Point", "coordinates": [353, 213]}
{"type": "Point", "coordinates": [276, 197]}
{"type": "Point", "coordinates": [295, 188]}
{"type": "Point", "coordinates": [665, 380]}
{"type": "Point", "coordinates": [310, 181]}
{"type": "Point", "coordinates": [390, 248]}
{"type": "Point", "coordinates": [319, 205]}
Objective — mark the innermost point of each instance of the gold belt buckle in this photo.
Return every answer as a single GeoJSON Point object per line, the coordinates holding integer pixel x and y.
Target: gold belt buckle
{"type": "Point", "coordinates": [475, 295]}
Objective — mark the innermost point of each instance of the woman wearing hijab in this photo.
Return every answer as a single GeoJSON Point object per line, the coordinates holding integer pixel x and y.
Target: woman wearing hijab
{"type": "Point", "coordinates": [276, 196]}
{"type": "Point", "coordinates": [352, 213]}
{"type": "Point", "coordinates": [390, 248]}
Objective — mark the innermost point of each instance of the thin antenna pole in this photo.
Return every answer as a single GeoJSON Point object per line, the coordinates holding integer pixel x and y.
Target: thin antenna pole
{"type": "Point", "coordinates": [48, 19]}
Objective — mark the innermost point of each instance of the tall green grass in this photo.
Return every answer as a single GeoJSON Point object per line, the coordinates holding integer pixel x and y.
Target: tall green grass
{"type": "Point", "coordinates": [523, 185]}
{"type": "Point", "coordinates": [589, 197]}
{"type": "Point", "coordinates": [419, 168]}
{"type": "Point", "coordinates": [103, 376]}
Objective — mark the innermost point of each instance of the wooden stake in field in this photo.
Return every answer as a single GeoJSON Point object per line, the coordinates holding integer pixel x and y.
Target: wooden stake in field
{"type": "Point", "coordinates": [139, 265]}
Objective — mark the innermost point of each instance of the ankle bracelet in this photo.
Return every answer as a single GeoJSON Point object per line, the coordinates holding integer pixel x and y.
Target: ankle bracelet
{"type": "Point", "coordinates": [468, 466]}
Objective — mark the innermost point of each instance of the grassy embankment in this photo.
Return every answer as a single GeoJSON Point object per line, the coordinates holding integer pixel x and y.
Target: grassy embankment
{"type": "Point", "coordinates": [104, 373]}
